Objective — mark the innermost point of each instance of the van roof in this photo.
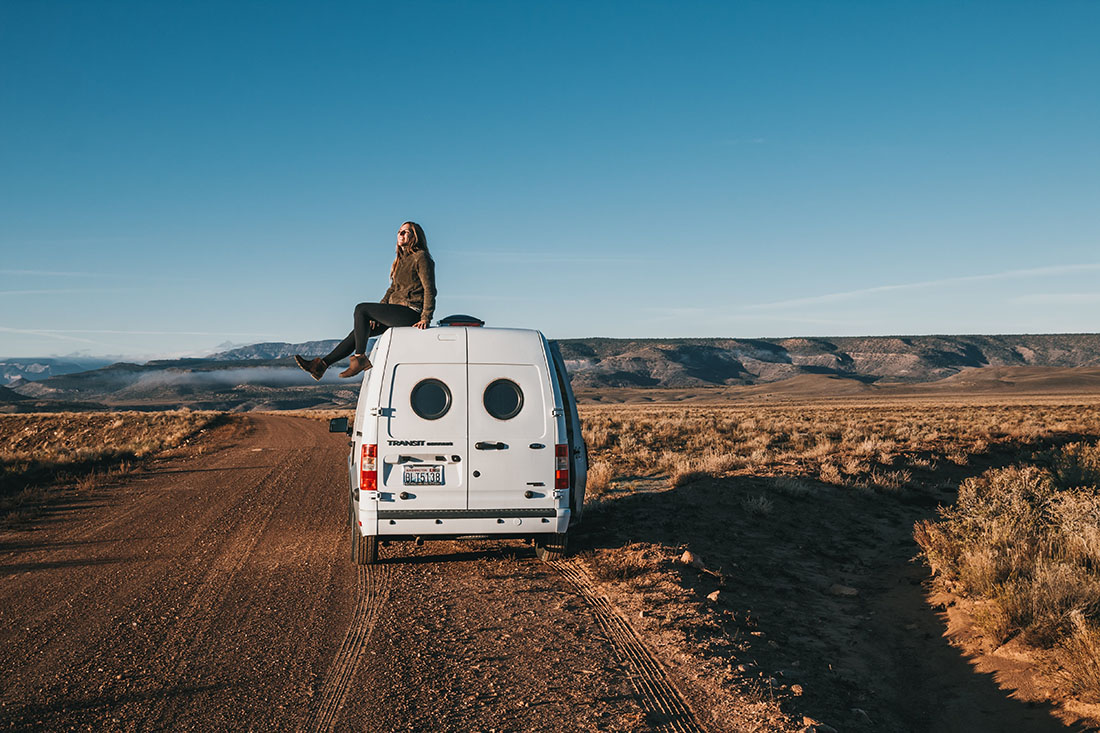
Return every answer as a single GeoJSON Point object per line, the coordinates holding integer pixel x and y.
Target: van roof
{"type": "Point", "coordinates": [479, 345]}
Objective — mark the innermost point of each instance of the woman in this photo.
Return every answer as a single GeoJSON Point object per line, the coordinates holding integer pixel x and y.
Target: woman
{"type": "Point", "coordinates": [410, 301]}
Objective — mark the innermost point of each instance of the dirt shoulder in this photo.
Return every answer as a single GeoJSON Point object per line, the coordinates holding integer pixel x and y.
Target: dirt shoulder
{"type": "Point", "coordinates": [821, 605]}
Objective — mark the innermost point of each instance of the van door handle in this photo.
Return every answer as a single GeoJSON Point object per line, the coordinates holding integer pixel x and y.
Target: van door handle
{"type": "Point", "coordinates": [489, 445]}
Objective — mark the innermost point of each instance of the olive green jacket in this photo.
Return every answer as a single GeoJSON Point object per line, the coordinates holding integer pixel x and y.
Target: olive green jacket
{"type": "Point", "coordinates": [414, 283]}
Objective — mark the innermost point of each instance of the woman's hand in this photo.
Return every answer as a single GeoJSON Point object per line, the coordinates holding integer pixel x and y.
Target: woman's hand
{"type": "Point", "coordinates": [423, 324]}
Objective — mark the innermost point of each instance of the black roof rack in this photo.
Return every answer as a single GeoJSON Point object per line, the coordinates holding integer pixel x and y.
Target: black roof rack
{"type": "Point", "coordinates": [461, 320]}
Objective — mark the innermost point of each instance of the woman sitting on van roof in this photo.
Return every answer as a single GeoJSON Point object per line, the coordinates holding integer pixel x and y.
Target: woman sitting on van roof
{"type": "Point", "coordinates": [410, 301]}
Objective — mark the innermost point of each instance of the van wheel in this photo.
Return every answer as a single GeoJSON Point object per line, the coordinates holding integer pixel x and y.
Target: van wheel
{"type": "Point", "coordinates": [364, 550]}
{"type": "Point", "coordinates": [551, 547]}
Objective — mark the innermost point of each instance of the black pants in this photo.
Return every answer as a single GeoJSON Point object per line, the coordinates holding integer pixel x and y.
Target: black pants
{"type": "Point", "coordinates": [384, 315]}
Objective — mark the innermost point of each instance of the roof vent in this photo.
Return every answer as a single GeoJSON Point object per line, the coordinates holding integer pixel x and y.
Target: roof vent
{"type": "Point", "coordinates": [461, 320]}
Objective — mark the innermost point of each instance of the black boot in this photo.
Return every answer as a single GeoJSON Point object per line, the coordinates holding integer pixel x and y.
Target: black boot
{"type": "Point", "coordinates": [315, 367]}
{"type": "Point", "coordinates": [358, 363]}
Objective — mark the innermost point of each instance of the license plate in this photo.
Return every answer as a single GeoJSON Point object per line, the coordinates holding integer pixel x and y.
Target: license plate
{"type": "Point", "coordinates": [423, 475]}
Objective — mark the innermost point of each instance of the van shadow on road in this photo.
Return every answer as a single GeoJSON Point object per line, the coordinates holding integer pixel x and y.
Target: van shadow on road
{"type": "Point", "coordinates": [820, 588]}
{"type": "Point", "coordinates": [80, 705]}
{"type": "Point", "coordinates": [394, 553]}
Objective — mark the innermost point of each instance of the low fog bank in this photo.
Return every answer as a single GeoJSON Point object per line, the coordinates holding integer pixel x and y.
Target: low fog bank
{"type": "Point", "coordinates": [252, 376]}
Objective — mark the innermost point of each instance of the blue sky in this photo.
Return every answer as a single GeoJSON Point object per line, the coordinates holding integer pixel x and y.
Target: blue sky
{"type": "Point", "coordinates": [176, 175]}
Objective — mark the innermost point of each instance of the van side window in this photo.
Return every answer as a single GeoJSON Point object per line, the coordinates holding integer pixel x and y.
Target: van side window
{"type": "Point", "coordinates": [503, 399]}
{"type": "Point", "coordinates": [430, 399]}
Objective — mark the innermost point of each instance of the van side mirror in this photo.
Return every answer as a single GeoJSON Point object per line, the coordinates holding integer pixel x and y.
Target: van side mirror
{"type": "Point", "coordinates": [338, 425]}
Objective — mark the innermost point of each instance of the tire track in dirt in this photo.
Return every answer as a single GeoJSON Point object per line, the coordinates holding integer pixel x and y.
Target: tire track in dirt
{"type": "Point", "coordinates": [195, 620]}
{"type": "Point", "coordinates": [372, 591]}
{"type": "Point", "coordinates": [656, 694]}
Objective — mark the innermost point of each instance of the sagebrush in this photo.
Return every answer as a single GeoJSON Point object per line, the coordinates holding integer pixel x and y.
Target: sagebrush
{"type": "Point", "coordinates": [1024, 541]}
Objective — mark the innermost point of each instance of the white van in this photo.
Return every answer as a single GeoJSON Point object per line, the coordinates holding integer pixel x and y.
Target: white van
{"type": "Point", "coordinates": [464, 432]}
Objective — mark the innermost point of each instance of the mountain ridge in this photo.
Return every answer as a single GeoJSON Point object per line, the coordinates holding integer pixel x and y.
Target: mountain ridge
{"type": "Point", "coordinates": [263, 376]}
{"type": "Point", "coordinates": [600, 362]}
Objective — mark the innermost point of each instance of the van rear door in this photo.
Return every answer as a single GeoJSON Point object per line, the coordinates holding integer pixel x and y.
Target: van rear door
{"type": "Point", "coordinates": [512, 426]}
{"type": "Point", "coordinates": [422, 452]}
{"type": "Point", "coordinates": [578, 451]}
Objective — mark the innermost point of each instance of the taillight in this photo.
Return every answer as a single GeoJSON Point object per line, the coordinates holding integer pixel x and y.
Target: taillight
{"type": "Point", "coordinates": [368, 468]}
{"type": "Point", "coordinates": [561, 468]}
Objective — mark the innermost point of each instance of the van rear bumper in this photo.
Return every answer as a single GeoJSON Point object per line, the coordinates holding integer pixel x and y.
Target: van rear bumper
{"type": "Point", "coordinates": [455, 522]}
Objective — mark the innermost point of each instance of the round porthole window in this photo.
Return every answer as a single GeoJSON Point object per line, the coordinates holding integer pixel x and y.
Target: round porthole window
{"type": "Point", "coordinates": [503, 399]}
{"type": "Point", "coordinates": [430, 399]}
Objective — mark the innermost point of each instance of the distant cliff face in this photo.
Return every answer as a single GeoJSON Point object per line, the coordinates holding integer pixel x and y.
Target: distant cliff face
{"type": "Point", "coordinates": [45, 367]}
{"type": "Point", "coordinates": [277, 350]}
{"type": "Point", "coordinates": [601, 362]}
{"type": "Point", "coordinates": [280, 350]}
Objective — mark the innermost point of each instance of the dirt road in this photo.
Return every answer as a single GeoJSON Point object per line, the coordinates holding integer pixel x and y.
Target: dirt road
{"type": "Point", "coordinates": [212, 591]}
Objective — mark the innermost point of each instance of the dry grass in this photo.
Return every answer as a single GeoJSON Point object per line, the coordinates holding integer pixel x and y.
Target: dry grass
{"type": "Point", "coordinates": [599, 478]}
{"type": "Point", "coordinates": [1025, 540]}
{"type": "Point", "coordinates": [628, 564]}
{"type": "Point", "coordinates": [874, 446]}
{"type": "Point", "coordinates": [325, 415]}
{"type": "Point", "coordinates": [83, 449]}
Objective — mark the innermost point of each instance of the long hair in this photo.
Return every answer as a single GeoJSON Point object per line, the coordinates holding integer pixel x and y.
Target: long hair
{"type": "Point", "coordinates": [420, 242]}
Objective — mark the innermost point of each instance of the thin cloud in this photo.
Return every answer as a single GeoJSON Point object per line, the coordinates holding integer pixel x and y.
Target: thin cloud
{"type": "Point", "coordinates": [29, 243]}
{"type": "Point", "coordinates": [509, 298]}
{"type": "Point", "coordinates": [553, 258]}
{"type": "Point", "coordinates": [66, 291]}
{"type": "Point", "coordinates": [851, 294]}
{"type": "Point", "coordinates": [45, 331]}
{"type": "Point", "coordinates": [1058, 299]}
{"type": "Point", "coordinates": [785, 319]}
{"type": "Point", "coordinates": [690, 313]}
{"type": "Point", "coordinates": [47, 334]}
{"type": "Point", "coordinates": [101, 275]}
{"type": "Point", "coordinates": [52, 273]}
{"type": "Point", "coordinates": [678, 312]}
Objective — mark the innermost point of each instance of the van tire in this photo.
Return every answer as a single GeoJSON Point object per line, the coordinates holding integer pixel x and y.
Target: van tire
{"type": "Point", "coordinates": [364, 550]}
{"type": "Point", "coordinates": [551, 547]}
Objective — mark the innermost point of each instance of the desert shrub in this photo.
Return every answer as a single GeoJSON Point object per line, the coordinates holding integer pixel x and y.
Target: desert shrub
{"type": "Point", "coordinates": [1025, 540]}
{"type": "Point", "coordinates": [1077, 513]}
{"type": "Point", "coordinates": [1081, 659]}
{"type": "Point", "coordinates": [1042, 603]}
{"type": "Point", "coordinates": [889, 479]}
{"type": "Point", "coordinates": [599, 478]}
{"type": "Point", "coordinates": [683, 469]}
{"type": "Point", "coordinates": [792, 486]}
{"type": "Point", "coordinates": [1078, 464]}
{"type": "Point", "coordinates": [757, 505]}
{"type": "Point", "coordinates": [830, 474]}
{"type": "Point", "coordinates": [684, 475]}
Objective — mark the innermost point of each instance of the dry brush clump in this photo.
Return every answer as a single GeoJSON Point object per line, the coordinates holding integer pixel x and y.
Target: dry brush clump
{"type": "Point", "coordinates": [1024, 542]}
{"type": "Point", "coordinates": [84, 447]}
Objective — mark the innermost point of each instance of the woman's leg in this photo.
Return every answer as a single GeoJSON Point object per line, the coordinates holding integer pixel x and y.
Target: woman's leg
{"type": "Point", "coordinates": [342, 350]}
{"type": "Point", "coordinates": [383, 315]}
